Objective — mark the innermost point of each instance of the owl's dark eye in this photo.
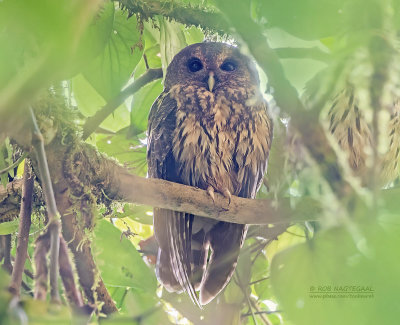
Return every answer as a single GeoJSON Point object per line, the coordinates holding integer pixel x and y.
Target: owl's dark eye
{"type": "Point", "coordinates": [228, 66]}
{"type": "Point", "coordinates": [194, 65]}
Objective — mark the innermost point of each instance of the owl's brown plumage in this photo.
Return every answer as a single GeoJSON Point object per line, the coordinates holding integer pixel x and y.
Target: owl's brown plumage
{"type": "Point", "coordinates": [348, 124]}
{"type": "Point", "coordinates": [210, 129]}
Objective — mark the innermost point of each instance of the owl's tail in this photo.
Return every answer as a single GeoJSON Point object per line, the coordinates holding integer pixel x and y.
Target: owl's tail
{"type": "Point", "coordinates": [165, 273]}
{"type": "Point", "coordinates": [173, 232]}
{"type": "Point", "coordinates": [182, 257]}
{"type": "Point", "coordinates": [199, 257]}
{"type": "Point", "coordinates": [225, 241]}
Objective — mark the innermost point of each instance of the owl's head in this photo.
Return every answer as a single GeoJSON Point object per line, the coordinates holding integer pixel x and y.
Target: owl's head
{"type": "Point", "coordinates": [212, 65]}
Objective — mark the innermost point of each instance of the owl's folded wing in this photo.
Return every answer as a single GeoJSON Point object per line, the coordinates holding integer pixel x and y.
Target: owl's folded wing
{"type": "Point", "coordinates": [172, 229]}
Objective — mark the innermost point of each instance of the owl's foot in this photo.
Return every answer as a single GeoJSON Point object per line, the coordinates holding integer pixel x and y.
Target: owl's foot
{"type": "Point", "coordinates": [227, 195]}
{"type": "Point", "coordinates": [210, 191]}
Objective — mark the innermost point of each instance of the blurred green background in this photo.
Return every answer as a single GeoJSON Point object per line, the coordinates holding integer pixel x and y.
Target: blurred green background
{"type": "Point", "coordinates": [312, 272]}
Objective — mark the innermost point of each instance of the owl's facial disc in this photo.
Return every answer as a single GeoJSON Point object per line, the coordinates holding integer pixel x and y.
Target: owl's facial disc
{"type": "Point", "coordinates": [211, 65]}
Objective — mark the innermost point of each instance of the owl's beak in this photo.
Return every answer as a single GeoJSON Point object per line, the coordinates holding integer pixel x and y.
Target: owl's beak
{"type": "Point", "coordinates": [211, 80]}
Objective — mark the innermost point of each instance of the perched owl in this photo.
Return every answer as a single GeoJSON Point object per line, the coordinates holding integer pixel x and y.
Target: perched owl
{"type": "Point", "coordinates": [210, 129]}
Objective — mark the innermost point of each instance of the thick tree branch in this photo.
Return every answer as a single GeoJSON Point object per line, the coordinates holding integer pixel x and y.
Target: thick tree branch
{"type": "Point", "coordinates": [89, 276]}
{"type": "Point", "coordinates": [173, 196]}
{"type": "Point", "coordinates": [119, 184]}
{"type": "Point", "coordinates": [71, 177]}
{"type": "Point", "coordinates": [23, 230]}
{"type": "Point", "coordinates": [94, 121]}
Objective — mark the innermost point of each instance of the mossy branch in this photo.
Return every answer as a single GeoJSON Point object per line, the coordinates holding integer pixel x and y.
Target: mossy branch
{"type": "Point", "coordinates": [188, 15]}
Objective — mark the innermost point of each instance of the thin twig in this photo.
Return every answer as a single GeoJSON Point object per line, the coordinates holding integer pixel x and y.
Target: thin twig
{"type": "Point", "coordinates": [94, 121]}
{"type": "Point", "coordinates": [67, 276]}
{"type": "Point", "coordinates": [42, 247]}
{"type": "Point", "coordinates": [259, 251]}
{"type": "Point", "coordinates": [28, 273]}
{"type": "Point", "coordinates": [244, 291]}
{"type": "Point", "coordinates": [23, 230]}
{"type": "Point", "coordinates": [27, 288]}
{"type": "Point", "coordinates": [259, 280]}
{"type": "Point", "coordinates": [146, 63]}
{"type": "Point", "coordinates": [6, 239]}
{"type": "Point", "coordinates": [262, 312]}
{"type": "Point", "coordinates": [53, 215]}
{"type": "Point", "coordinates": [12, 166]}
{"type": "Point", "coordinates": [294, 234]}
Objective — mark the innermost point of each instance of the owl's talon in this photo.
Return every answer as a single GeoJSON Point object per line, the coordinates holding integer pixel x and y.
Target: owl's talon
{"type": "Point", "coordinates": [227, 195]}
{"type": "Point", "coordinates": [210, 191]}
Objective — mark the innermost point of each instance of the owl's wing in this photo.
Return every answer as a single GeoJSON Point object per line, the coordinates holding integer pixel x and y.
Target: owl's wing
{"type": "Point", "coordinates": [172, 229]}
{"type": "Point", "coordinates": [161, 126]}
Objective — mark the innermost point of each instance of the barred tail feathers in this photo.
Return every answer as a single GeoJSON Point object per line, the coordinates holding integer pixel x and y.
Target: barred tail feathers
{"type": "Point", "coordinates": [226, 240]}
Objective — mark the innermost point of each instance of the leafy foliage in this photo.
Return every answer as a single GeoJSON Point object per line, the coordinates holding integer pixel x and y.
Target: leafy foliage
{"type": "Point", "coordinates": [96, 49]}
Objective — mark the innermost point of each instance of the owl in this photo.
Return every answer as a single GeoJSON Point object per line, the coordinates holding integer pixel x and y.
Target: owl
{"type": "Point", "coordinates": [348, 118]}
{"type": "Point", "coordinates": [349, 126]}
{"type": "Point", "coordinates": [209, 129]}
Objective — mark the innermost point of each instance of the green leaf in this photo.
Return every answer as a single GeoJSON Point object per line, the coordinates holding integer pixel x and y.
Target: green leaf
{"type": "Point", "coordinates": [89, 101]}
{"type": "Point", "coordinates": [307, 277]}
{"type": "Point", "coordinates": [139, 213]}
{"type": "Point", "coordinates": [193, 35]}
{"type": "Point", "coordinates": [44, 40]}
{"type": "Point", "coordinates": [138, 303]}
{"type": "Point", "coordinates": [141, 306]}
{"type": "Point", "coordinates": [172, 40]}
{"type": "Point", "coordinates": [6, 160]}
{"type": "Point", "coordinates": [260, 273]}
{"type": "Point", "coordinates": [307, 19]}
{"type": "Point", "coordinates": [3, 165]}
{"type": "Point", "coordinates": [43, 312]}
{"type": "Point", "coordinates": [111, 70]}
{"type": "Point", "coordinates": [260, 268]}
{"type": "Point", "coordinates": [95, 38]}
{"type": "Point", "coordinates": [119, 263]}
{"type": "Point", "coordinates": [153, 60]}
{"type": "Point", "coordinates": [141, 104]}
{"type": "Point", "coordinates": [5, 298]}
{"type": "Point", "coordinates": [130, 151]}
{"type": "Point", "coordinates": [235, 292]}
{"type": "Point", "coordinates": [290, 237]}
{"type": "Point", "coordinates": [8, 227]}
